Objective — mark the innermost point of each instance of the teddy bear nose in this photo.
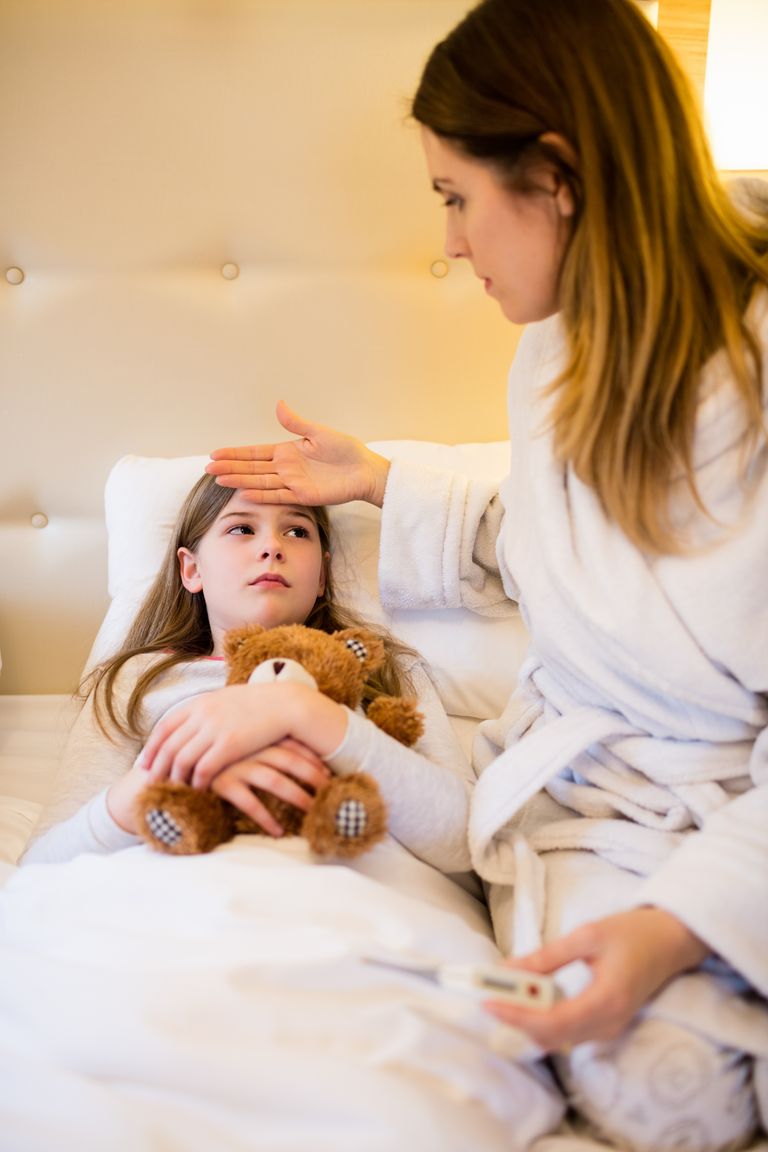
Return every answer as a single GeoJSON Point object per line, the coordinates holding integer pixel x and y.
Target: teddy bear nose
{"type": "Point", "coordinates": [277, 666]}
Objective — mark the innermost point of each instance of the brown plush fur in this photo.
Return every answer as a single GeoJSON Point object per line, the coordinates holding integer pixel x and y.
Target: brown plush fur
{"type": "Point", "coordinates": [348, 815]}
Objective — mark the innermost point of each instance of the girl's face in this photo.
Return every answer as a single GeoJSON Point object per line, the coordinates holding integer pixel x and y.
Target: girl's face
{"type": "Point", "coordinates": [256, 564]}
{"type": "Point", "coordinates": [514, 241]}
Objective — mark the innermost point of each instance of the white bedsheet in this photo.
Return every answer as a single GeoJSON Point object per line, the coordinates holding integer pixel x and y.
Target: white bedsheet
{"type": "Point", "coordinates": [221, 1002]}
{"type": "Point", "coordinates": [33, 730]}
{"type": "Point", "coordinates": [156, 1004]}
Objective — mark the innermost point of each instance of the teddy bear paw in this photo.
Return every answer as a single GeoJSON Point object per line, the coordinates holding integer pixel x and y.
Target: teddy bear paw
{"type": "Point", "coordinates": [347, 818]}
{"type": "Point", "coordinates": [182, 820]}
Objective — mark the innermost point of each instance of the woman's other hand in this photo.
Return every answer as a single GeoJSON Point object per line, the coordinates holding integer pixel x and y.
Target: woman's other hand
{"type": "Point", "coordinates": [631, 956]}
{"type": "Point", "coordinates": [322, 467]}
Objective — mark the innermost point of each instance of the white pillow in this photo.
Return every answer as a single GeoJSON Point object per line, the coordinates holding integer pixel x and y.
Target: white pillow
{"type": "Point", "coordinates": [474, 660]}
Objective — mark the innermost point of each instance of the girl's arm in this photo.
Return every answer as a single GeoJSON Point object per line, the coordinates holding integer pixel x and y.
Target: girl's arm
{"type": "Point", "coordinates": [76, 818]}
{"type": "Point", "coordinates": [427, 790]}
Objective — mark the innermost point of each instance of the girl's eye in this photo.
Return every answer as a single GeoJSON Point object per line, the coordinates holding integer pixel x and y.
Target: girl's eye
{"type": "Point", "coordinates": [240, 530]}
{"type": "Point", "coordinates": [453, 202]}
{"type": "Point", "coordinates": [300, 532]}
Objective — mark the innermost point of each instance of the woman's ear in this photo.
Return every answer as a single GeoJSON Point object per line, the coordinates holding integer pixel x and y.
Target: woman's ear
{"type": "Point", "coordinates": [188, 570]}
{"type": "Point", "coordinates": [566, 153]}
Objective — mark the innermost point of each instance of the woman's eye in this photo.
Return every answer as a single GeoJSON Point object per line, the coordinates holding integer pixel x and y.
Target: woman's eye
{"type": "Point", "coordinates": [453, 202]}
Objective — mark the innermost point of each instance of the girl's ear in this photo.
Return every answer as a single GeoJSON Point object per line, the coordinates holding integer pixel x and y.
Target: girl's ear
{"type": "Point", "coordinates": [188, 570]}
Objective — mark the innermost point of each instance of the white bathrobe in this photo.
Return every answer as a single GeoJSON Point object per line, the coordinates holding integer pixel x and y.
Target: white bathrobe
{"type": "Point", "coordinates": [638, 729]}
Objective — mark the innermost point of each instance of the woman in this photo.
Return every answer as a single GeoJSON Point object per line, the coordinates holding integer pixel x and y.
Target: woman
{"type": "Point", "coordinates": [620, 816]}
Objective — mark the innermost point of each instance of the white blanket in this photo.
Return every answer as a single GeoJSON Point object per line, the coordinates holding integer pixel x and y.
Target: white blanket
{"type": "Point", "coordinates": [149, 1001]}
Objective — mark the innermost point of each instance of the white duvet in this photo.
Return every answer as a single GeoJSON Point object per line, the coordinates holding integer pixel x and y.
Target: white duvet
{"type": "Point", "coordinates": [220, 1003]}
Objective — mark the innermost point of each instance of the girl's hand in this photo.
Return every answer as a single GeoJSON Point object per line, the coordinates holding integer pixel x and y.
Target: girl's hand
{"type": "Point", "coordinates": [205, 735]}
{"type": "Point", "coordinates": [631, 954]}
{"type": "Point", "coordinates": [322, 467]}
{"type": "Point", "coordinates": [121, 797]}
{"type": "Point", "coordinates": [276, 770]}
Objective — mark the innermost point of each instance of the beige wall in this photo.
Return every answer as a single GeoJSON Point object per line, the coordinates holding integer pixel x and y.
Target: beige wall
{"type": "Point", "coordinates": [149, 145]}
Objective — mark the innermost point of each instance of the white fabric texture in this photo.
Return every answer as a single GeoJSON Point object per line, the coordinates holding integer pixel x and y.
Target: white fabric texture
{"type": "Point", "coordinates": [426, 789]}
{"type": "Point", "coordinates": [637, 731]}
{"type": "Point", "coordinates": [220, 1001]}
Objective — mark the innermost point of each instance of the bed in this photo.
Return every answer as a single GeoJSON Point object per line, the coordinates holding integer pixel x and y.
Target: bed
{"type": "Point", "coordinates": [226, 1000]}
{"type": "Point", "coordinates": [208, 205]}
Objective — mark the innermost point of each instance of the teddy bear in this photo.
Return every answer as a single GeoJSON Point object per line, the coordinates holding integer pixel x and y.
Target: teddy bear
{"type": "Point", "coordinates": [348, 815]}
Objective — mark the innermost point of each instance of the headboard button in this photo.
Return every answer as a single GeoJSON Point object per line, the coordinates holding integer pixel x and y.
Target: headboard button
{"type": "Point", "coordinates": [439, 269]}
{"type": "Point", "coordinates": [14, 275]}
{"type": "Point", "coordinates": [230, 271]}
{"type": "Point", "coordinates": [38, 520]}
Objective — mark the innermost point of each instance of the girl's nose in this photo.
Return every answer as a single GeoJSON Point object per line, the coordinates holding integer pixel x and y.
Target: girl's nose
{"type": "Point", "coordinates": [272, 548]}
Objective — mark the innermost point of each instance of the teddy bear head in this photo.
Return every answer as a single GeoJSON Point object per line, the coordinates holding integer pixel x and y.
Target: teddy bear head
{"type": "Point", "coordinates": [338, 663]}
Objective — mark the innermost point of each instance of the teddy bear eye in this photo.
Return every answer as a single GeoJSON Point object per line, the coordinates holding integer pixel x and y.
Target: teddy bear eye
{"type": "Point", "coordinates": [357, 647]}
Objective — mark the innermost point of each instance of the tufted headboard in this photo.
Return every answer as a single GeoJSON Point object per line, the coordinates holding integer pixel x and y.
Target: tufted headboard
{"type": "Point", "coordinates": [206, 205]}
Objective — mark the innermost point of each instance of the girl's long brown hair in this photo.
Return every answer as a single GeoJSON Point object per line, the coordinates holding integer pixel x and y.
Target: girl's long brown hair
{"type": "Point", "coordinates": [661, 264]}
{"type": "Point", "coordinates": [173, 622]}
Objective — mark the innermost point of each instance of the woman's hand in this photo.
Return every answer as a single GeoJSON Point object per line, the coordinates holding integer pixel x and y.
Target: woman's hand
{"type": "Point", "coordinates": [289, 770]}
{"type": "Point", "coordinates": [631, 955]}
{"type": "Point", "coordinates": [322, 467]}
{"type": "Point", "coordinates": [203, 736]}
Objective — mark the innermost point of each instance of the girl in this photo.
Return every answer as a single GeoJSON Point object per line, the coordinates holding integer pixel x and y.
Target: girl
{"type": "Point", "coordinates": [231, 563]}
{"type": "Point", "coordinates": [621, 812]}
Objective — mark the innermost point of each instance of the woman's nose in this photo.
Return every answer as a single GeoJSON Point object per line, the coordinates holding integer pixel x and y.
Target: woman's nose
{"type": "Point", "coordinates": [455, 244]}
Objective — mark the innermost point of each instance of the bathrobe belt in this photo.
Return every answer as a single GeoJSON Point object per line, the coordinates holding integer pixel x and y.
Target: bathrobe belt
{"type": "Point", "coordinates": [691, 773]}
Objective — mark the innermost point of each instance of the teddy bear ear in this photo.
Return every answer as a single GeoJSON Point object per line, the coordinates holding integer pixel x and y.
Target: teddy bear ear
{"type": "Point", "coordinates": [365, 645]}
{"type": "Point", "coordinates": [237, 637]}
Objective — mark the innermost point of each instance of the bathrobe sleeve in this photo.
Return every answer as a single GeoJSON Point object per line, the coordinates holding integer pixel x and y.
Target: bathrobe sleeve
{"type": "Point", "coordinates": [439, 533]}
{"type": "Point", "coordinates": [716, 883]}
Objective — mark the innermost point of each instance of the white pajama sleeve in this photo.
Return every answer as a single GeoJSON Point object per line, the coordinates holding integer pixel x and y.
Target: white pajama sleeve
{"type": "Point", "coordinates": [91, 829]}
{"type": "Point", "coordinates": [426, 788]}
{"type": "Point", "coordinates": [90, 764]}
{"type": "Point", "coordinates": [716, 883]}
{"type": "Point", "coordinates": [439, 532]}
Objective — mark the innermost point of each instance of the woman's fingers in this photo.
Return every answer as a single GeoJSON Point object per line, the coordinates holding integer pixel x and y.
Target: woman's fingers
{"type": "Point", "coordinates": [294, 423]}
{"type": "Point", "coordinates": [592, 1015]}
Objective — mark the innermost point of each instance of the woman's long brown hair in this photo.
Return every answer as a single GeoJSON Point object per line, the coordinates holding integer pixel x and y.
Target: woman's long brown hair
{"type": "Point", "coordinates": [661, 263]}
{"type": "Point", "coordinates": [173, 622]}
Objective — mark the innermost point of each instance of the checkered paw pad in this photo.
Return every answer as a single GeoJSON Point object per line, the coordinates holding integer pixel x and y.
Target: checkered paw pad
{"type": "Point", "coordinates": [357, 647]}
{"type": "Point", "coordinates": [351, 819]}
{"type": "Point", "coordinates": [163, 827]}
